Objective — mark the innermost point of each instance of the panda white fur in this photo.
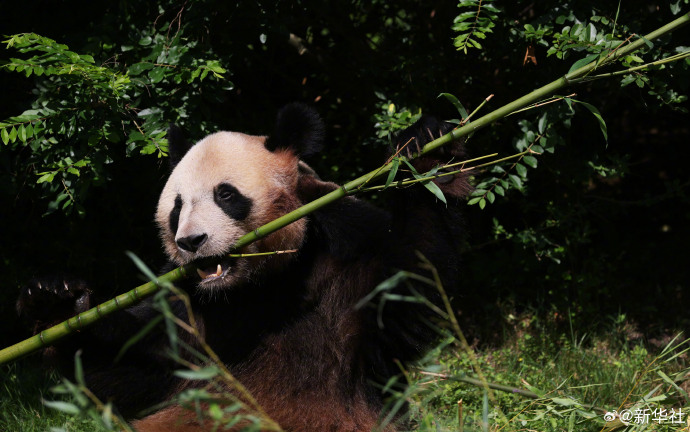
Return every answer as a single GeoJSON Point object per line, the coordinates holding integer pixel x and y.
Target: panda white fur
{"type": "Point", "coordinates": [227, 185]}
{"type": "Point", "coordinates": [285, 325]}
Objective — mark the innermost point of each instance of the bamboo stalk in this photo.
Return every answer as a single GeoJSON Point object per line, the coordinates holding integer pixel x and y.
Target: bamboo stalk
{"type": "Point", "coordinates": [54, 334]}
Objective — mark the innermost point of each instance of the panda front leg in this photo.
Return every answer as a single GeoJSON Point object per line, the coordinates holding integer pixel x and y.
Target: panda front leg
{"type": "Point", "coordinates": [45, 302]}
{"type": "Point", "coordinates": [138, 379]}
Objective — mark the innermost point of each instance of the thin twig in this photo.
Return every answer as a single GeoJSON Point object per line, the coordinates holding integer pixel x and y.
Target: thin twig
{"type": "Point", "coordinates": [484, 102]}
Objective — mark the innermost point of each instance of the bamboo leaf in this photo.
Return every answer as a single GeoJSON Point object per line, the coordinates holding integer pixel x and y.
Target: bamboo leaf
{"type": "Point", "coordinates": [456, 103]}
{"type": "Point", "coordinates": [543, 122]}
{"type": "Point", "coordinates": [78, 368]}
{"type": "Point", "coordinates": [565, 401]}
{"type": "Point", "coordinates": [205, 373]}
{"type": "Point", "coordinates": [434, 189]}
{"type": "Point", "coordinates": [673, 384]}
{"type": "Point", "coordinates": [393, 172]}
{"type": "Point", "coordinates": [429, 184]}
{"type": "Point", "coordinates": [66, 407]}
{"type": "Point", "coordinates": [139, 336]}
{"type": "Point", "coordinates": [597, 114]}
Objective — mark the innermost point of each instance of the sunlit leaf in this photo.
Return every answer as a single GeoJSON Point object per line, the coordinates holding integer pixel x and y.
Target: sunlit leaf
{"type": "Point", "coordinates": [66, 407]}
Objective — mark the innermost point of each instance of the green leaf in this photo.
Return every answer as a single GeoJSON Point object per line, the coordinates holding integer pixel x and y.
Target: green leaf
{"type": "Point", "coordinates": [482, 204]}
{"type": "Point", "coordinates": [138, 68]}
{"type": "Point", "coordinates": [13, 134]}
{"type": "Point", "coordinates": [78, 368]}
{"type": "Point", "coordinates": [474, 200]}
{"type": "Point", "coordinates": [22, 133]}
{"type": "Point", "coordinates": [517, 182]}
{"type": "Point", "coordinates": [543, 122]}
{"type": "Point", "coordinates": [430, 185]}
{"type": "Point", "coordinates": [530, 160]}
{"type": "Point", "coordinates": [5, 136]}
{"type": "Point", "coordinates": [393, 172]}
{"type": "Point", "coordinates": [142, 267]}
{"type": "Point", "coordinates": [46, 177]}
{"type": "Point", "coordinates": [578, 64]}
{"type": "Point", "coordinates": [65, 407]}
{"type": "Point", "coordinates": [673, 383]}
{"type": "Point", "coordinates": [434, 189]}
{"type": "Point", "coordinates": [647, 42]}
{"type": "Point", "coordinates": [138, 336]}
{"type": "Point", "coordinates": [384, 286]}
{"type": "Point", "coordinates": [456, 103]}
{"type": "Point", "coordinates": [157, 74]}
{"type": "Point", "coordinates": [521, 170]}
{"type": "Point", "coordinates": [565, 402]}
{"type": "Point", "coordinates": [675, 7]}
{"type": "Point", "coordinates": [597, 114]}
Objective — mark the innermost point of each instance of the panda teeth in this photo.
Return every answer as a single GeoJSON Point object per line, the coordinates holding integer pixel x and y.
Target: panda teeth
{"type": "Point", "coordinates": [205, 275]}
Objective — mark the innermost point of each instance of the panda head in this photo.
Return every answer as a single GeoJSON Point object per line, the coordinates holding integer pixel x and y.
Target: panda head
{"type": "Point", "coordinates": [229, 184]}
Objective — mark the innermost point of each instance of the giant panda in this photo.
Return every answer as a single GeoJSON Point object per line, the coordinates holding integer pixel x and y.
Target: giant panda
{"type": "Point", "coordinates": [287, 326]}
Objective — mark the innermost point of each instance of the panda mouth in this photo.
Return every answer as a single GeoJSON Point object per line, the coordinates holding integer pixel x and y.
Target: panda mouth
{"type": "Point", "coordinates": [212, 272]}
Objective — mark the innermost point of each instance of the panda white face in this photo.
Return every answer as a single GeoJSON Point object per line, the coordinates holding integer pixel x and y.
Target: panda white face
{"type": "Point", "coordinates": [224, 187]}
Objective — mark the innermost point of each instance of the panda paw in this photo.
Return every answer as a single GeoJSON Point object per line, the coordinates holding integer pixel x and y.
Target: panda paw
{"type": "Point", "coordinates": [426, 129]}
{"type": "Point", "coordinates": [44, 302]}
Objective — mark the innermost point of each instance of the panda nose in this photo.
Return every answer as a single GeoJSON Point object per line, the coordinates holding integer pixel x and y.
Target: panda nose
{"type": "Point", "coordinates": [192, 243]}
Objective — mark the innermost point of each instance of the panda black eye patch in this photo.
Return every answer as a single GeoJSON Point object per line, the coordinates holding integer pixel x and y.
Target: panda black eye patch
{"type": "Point", "coordinates": [175, 214]}
{"type": "Point", "coordinates": [231, 201]}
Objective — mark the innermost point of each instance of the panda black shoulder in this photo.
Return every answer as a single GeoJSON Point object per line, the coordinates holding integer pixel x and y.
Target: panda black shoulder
{"type": "Point", "coordinates": [298, 128]}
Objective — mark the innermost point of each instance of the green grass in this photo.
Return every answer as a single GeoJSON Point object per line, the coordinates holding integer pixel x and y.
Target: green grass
{"type": "Point", "coordinates": [25, 384]}
{"type": "Point", "coordinates": [574, 378]}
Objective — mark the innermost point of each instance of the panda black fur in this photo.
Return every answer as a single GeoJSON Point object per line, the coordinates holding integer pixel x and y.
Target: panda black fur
{"type": "Point", "coordinates": [285, 325]}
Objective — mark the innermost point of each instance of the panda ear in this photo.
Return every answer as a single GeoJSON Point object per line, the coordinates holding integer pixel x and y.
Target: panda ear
{"type": "Point", "coordinates": [298, 128]}
{"type": "Point", "coordinates": [178, 145]}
